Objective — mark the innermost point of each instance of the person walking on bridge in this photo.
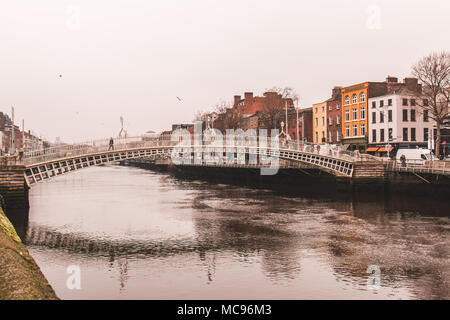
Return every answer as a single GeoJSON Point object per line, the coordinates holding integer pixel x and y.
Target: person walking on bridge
{"type": "Point", "coordinates": [111, 144]}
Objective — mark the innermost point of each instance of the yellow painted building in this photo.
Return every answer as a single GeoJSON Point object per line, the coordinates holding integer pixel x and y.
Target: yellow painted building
{"type": "Point", "coordinates": [320, 133]}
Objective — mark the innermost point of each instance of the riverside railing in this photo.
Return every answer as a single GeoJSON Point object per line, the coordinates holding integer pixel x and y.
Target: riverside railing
{"type": "Point", "coordinates": [433, 167]}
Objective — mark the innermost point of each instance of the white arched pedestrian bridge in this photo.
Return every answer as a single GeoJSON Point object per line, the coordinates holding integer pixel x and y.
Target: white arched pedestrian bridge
{"type": "Point", "coordinates": [45, 164]}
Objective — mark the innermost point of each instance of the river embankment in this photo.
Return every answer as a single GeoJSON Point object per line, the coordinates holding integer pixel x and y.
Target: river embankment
{"type": "Point", "coordinates": [20, 276]}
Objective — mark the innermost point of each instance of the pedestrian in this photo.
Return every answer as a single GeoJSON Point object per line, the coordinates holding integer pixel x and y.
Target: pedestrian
{"type": "Point", "coordinates": [403, 160]}
{"type": "Point", "coordinates": [111, 144]}
{"type": "Point", "coordinates": [318, 148]}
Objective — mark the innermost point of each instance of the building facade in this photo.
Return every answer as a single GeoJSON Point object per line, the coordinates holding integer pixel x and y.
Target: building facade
{"type": "Point", "coordinates": [6, 131]}
{"type": "Point", "coordinates": [305, 130]}
{"type": "Point", "coordinates": [355, 108]}
{"type": "Point", "coordinates": [334, 114]}
{"type": "Point", "coordinates": [320, 132]}
{"type": "Point", "coordinates": [397, 120]}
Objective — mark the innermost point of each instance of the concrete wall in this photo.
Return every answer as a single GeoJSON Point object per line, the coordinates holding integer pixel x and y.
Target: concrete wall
{"type": "Point", "coordinates": [12, 185]}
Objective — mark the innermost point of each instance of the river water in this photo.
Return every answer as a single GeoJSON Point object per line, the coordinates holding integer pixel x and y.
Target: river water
{"type": "Point", "coordinates": [137, 234]}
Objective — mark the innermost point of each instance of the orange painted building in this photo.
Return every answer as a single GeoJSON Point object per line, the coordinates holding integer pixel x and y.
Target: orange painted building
{"type": "Point", "coordinates": [355, 112]}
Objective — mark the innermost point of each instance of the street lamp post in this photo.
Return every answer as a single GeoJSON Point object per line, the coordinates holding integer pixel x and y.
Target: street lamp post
{"type": "Point", "coordinates": [287, 122]}
{"type": "Point", "coordinates": [298, 141]}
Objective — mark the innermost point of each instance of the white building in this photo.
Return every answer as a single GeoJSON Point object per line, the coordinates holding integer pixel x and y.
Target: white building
{"type": "Point", "coordinates": [397, 119]}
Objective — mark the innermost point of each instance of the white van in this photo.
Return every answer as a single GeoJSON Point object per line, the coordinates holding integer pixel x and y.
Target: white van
{"type": "Point", "coordinates": [415, 156]}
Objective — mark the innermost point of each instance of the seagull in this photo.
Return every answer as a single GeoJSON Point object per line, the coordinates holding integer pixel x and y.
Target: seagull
{"type": "Point", "coordinates": [179, 99]}
{"type": "Point", "coordinates": [60, 75]}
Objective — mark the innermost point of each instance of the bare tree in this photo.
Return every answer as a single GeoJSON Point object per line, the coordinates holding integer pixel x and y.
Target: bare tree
{"type": "Point", "coordinates": [222, 106]}
{"type": "Point", "coordinates": [286, 93]}
{"type": "Point", "coordinates": [274, 108]}
{"type": "Point", "coordinates": [200, 116]}
{"type": "Point", "coordinates": [433, 71]}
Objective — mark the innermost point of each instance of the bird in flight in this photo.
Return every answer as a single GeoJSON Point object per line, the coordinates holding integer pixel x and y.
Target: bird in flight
{"type": "Point", "coordinates": [179, 99]}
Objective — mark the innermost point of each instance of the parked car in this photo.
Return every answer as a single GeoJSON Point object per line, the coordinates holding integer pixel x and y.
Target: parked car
{"type": "Point", "coordinates": [415, 156]}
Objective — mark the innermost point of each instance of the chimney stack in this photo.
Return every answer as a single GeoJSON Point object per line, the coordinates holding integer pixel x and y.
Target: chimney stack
{"type": "Point", "coordinates": [390, 79]}
{"type": "Point", "coordinates": [336, 92]}
{"type": "Point", "coordinates": [412, 84]}
{"type": "Point", "coordinates": [236, 100]}
{"type": "Point", "coordinates": [248, 98]}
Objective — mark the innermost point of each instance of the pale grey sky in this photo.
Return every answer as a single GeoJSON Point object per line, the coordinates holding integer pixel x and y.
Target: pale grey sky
{"type": "Point", "coordinates": [133, 58]}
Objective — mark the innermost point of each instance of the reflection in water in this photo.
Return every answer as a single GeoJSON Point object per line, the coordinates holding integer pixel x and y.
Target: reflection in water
{"type": "Point", "coordinates": [139, 234]}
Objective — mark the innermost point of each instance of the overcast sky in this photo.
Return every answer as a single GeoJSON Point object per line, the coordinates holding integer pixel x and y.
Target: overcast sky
{"type": "Point", "coordinates": [133, 58]}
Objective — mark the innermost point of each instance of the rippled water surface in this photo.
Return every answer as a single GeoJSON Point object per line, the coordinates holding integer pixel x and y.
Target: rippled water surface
{"type": "Point", "coordinates": [136, 234]}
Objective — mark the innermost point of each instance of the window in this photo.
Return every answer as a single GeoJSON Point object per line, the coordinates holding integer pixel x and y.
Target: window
{"type": "Point", "coordinates": [323, 136]}
{"type": "Point", "coordinates": [330, 136]}
{"type": "Point", "coordinates": [323, 109]}
{"type": "Point", "coordinates": [374, 104]}
{"type": "Point", "coordinates": [390, 134]}
{"type": "Point", "coordinates": [425, 134]}
{"type": "Point", "coordinates": [374, 135]}
{"type": "Point", "coordinates": [330, 120]}
{"type": "Point", "coordinates": [381, 117]}
{"type": "Point", "coordinates": [317, 122]}
{"type": "Point", "coordinates": [338, 135]}
{"type": "Point", "coordinates": [362, 97]}
{"type": "Point", "coordinates": [362, 129]}
{"type": "Point", "coordinates": [347, 100]}
{"type": "Point", "coordinates": [347, 131]}
{"type": "Point", "coordinates": [355, 130]}
{"type": "Point", "coordinates": [355, 114]}
{"type": "Point", "coordinates": [317, 137]}
{"type": "Point", "coordinates": [413, 134]}
{"type": "Point", "coordinates": [405, 134]}
{"type": "Point", "coordinates": [389, 102]}
{"type": "Point", "coordinates": [381, 103]}
{"type": "Point", "coordinates": [337, 106]}
{"type": "Point", "coordinates": [323, 121]}
{"type": "Point", "coordinates": [362, 113]}
{"type": "Point", "coordinates": [425, 103]}
{"type": "Point", "coordinates": [338, 119]}
{"type": "Point", "coordinates": [405, 102]}
{"type": "Point", "coordinates": [405, 115]}
{"type": "Point", "coordinates": [374, 117]}
{"type": "Point", "coordinates": [354, 98]}
{"type": "Point", "coordinates": [425, 116]}
{"type": "Point", "coordinates": [413, 115]}
{"type": "Point", "coordinates": [347, 115]}
{"type": "Point", "coordinates": [389, 115]}
{"type": "Point", "coordinates": [330, 107]}
{"type": "Point", "coordinates": [413, 102]}
{"type": "Point", "coordinates": [381, 135]}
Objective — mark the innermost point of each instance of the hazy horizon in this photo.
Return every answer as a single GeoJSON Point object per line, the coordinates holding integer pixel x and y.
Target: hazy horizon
{"type": "Point", "coordinates": [134, 58]}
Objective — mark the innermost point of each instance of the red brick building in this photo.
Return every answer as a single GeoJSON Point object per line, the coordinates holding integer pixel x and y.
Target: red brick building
{"type": "Point", "coordinates": [334, 117]}
{"type": "Point", "coordinates": [305, 124]}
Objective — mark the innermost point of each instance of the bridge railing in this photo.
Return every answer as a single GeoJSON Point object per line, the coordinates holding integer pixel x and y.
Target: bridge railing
{"type": "Point", "coordinates": [123, 144]}
{"type": "Point", "coordinates": [90, 147]}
